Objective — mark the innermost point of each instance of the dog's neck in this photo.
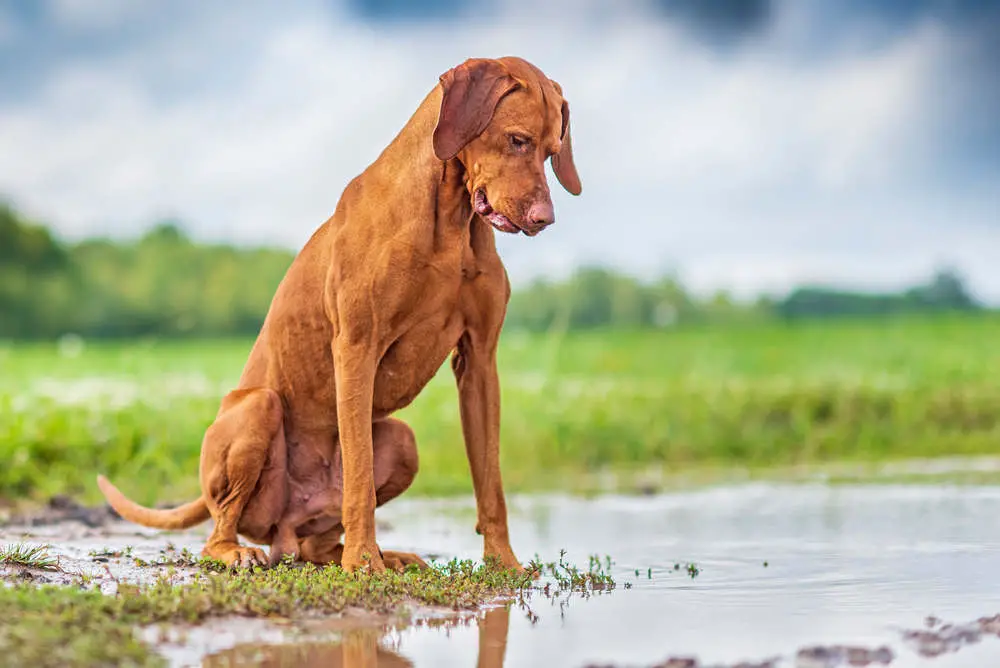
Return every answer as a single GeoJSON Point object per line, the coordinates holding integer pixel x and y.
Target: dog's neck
{"type": "Point", "coordinates": [453, 213]}
{"type": "Point", "coordinates": [453, 199]}
{"type": "Point", "coordinates": [454, 196]}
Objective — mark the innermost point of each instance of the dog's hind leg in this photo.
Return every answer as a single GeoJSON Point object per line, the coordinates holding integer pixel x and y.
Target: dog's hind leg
{"type": "Point", "coordinates": [395, 466]}
{"type": "Point", "coordinates": [246, 438]}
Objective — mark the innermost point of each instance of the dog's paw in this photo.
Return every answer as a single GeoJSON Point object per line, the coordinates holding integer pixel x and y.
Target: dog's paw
{"type": "Point", "coordinates": [504, 558]}
{"type": "Point", "coordinates": [245, 557]}
{"type": "Point", "coordinates": [367, 559]}
{"type": "Point", "coordinates": [398, 561]}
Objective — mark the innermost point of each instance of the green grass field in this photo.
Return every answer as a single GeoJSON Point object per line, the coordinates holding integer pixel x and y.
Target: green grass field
{"type": "Point", "coordinates": [574, 405]}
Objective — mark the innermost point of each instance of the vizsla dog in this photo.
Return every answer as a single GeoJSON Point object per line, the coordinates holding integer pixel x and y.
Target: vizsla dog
{"type": "Point", "coordinates": [403, 274]}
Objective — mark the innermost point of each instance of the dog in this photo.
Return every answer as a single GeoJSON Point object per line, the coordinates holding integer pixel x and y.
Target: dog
{"type": "Point", "coordinates": [402, 275]}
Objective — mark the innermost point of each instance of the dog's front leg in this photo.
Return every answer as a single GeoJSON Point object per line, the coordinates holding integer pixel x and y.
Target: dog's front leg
{"type": "Point", "coordinates": [475, 367]}
{"type": "Point", "coordinates": [354, 369]}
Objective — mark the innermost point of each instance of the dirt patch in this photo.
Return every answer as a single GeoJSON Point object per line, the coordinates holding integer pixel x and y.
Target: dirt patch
{"type": "Point", "coordinates": [939, 638]}
{"type": "Point", "coordinates": [834, 656]}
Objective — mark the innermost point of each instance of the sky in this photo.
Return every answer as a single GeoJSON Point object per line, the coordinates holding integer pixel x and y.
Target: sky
{"type": "Point", "coordinates": [746, 145]}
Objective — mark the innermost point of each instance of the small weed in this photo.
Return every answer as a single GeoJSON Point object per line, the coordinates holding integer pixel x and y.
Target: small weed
{"type": "Point", "coordinates": [28, 556]}
{"type": "Point", "coordinates": [211, 565]}
{"type": "Point", "coordinates": [570, 578]}
{"type": "Point", "coordinates": [105, 553]}
{"type": "Point", "coordinates": [170, 556]}
{"type": "Point", "coordinates": [692, 569]}
{"type": "Point", "coordinates": [84, 580]}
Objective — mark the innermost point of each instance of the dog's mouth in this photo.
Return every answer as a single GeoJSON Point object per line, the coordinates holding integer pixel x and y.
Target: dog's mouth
{"type": "Point", "coordinates": [494, 218]}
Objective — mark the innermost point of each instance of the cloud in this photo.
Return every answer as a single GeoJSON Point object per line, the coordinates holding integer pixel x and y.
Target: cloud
{"type": "Point", "coordinates": [749, 169]}
{"type": "Point", "coordinates": [758, 122]}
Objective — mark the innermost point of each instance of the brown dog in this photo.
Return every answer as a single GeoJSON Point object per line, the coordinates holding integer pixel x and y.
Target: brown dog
{"type": "Point", "coordinates": [404, 273]}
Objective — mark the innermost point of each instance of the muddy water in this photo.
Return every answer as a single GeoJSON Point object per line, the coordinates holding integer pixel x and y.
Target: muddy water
{"type": "Point", "coordinates": [785, 573]}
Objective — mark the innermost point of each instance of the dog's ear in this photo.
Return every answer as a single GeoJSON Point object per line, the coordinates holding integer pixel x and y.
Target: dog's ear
{"type": "Point", "coordinates": [471, 94]}
{"type": "Point", "coordinates": [562, 162]}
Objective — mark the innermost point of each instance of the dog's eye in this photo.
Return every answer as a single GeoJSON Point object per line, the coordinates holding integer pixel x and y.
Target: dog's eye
{"type": "Point", "coordinates": [519, 143]}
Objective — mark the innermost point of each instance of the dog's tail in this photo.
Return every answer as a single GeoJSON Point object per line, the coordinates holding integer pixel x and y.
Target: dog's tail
{"type": "Point", "coordinates": [182, 517]}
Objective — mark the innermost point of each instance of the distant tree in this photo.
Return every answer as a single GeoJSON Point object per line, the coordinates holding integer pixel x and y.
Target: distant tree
{"type": "Point", "coordinates": [944, 292]}
{"type": "Point", "coordinates": [161, 284]}
{"type": "Point", "coordinates": [26, 244]}
{"type": "Point", "coordinates": [35, 287]}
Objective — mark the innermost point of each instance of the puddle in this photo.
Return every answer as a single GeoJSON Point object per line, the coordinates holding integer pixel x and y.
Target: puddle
{"type": "Point", "coordinates": [786, 575]}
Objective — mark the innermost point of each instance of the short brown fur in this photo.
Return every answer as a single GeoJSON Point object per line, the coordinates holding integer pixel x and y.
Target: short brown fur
{"type": "Point", "coordinates": [403, 274]}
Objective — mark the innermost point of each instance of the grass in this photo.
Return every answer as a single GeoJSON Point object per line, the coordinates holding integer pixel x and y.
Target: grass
{"type": "Point", "coordinates": [21, 555]}
{"type": "Point", "coordinates": [75, 626]}
{"type": "Point", "coordinates": [574, 406]}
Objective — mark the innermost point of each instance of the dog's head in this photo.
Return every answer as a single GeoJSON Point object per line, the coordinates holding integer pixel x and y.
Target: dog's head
{"type": "Point", "coordinates": [503, 119]}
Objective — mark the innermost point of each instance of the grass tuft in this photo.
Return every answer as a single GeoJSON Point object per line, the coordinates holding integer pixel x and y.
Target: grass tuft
{"type": "Point", "coordinates": [22, 555]}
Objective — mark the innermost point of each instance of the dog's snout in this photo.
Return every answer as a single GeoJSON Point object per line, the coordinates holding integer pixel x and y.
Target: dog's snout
{"type": "Point", "coordinates": [541, 214]}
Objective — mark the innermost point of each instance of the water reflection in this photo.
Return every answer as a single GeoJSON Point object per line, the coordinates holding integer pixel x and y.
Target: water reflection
{"type": "Point", "coordinates": [362, 647]}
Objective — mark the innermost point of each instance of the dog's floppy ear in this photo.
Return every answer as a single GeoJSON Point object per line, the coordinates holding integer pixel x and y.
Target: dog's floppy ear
{"type": "Point", "coordinates": [562, 162]}
{"type": "Point", "coordinates": [471, 94]}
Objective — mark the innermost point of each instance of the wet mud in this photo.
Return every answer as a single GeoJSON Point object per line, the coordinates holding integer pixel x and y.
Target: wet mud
{"type": "Point", "coordinates": [93, 547]}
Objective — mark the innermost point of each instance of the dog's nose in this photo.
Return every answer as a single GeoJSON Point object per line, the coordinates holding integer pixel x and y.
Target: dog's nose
{"type": "Point", "coordinates": [541, 214]}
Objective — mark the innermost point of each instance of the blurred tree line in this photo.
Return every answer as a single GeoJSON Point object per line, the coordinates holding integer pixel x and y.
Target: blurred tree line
{"type": "Point", "coordinates": [596, 297]}
{"type": "Point", "coordinates": [160, 284]}
{"type": "Point", "coordinates": [165, 284]}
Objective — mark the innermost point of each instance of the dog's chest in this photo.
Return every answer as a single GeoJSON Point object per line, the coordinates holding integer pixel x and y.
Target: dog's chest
{"type": "Point", "coordinates": [414, 358]}
{"type": "Point", "coordinates": [420, 349]}
{"type": "Point", "coordinates": [434, 316]}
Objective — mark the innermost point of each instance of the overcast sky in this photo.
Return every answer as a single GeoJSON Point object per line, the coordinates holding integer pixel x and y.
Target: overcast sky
{"type": "Point", "coordinates": [750, 146]}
